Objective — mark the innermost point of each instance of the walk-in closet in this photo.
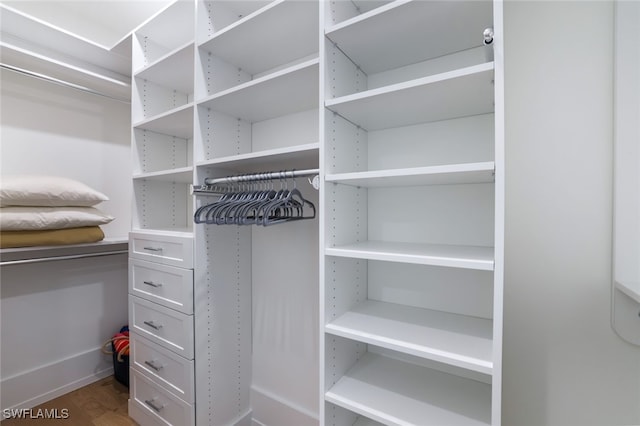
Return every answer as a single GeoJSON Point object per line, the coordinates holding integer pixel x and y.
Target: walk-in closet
{"type": "Point", "coordinates": [324, 212]}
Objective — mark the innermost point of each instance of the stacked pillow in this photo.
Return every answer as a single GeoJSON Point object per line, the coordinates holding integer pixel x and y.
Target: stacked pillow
{"type": "Point", "coordinates": [49, 210]}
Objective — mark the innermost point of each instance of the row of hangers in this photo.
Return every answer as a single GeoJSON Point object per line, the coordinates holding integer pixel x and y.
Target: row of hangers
{"type": "Point", "coordinates": [256, 203]}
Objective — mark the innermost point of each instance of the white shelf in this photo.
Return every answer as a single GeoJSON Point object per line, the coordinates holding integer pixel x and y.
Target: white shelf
{"type": "Point", "coordinates": [173, 71]}
{"type": "Point", "coordinates": [631, 289]}
{"type": "Point", "coordinates": [290, 90]}
{"type": "Point", "coordinates": [399, 30]}
{"type": "Point", "coordinates": [467, 257]}
{"type": "Point", "coordinates": [176, 122]}
{"type": "Point", "coordinates": [459, 93]}
{"type": "Point", "coordinates": [181, 232]}
{"type": "Point", "coordinates": [458, 340]}
{"type": "Point", "coordinates": [180, 175]}
{"type": "Point", "coordinates": [263, 41]}
{"type": "Point", "coordinates": [433, 175]}
{"type": "Point", "coordinates": [303, 156]}
{"type": "Point", "coordinates": [397, 393]}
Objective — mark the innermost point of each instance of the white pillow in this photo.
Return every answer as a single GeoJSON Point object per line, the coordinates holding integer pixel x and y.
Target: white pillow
{"type": "Point", "coordinates": [38, 218]}
{"type": "Point", "coordinates": [34, 190]}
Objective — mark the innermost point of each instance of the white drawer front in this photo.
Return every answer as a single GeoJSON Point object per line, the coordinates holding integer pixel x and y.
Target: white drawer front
{"type": "Point", "coordinates": [168, 328]}
{"type": "Point", "coordinates": [168, 409]}
{"type": "Point", "coordinates": [172, 371]}
{"type": "Point", "coordinates": [164, 249]}
{"type": "Point", "coordinates": [166, 285]}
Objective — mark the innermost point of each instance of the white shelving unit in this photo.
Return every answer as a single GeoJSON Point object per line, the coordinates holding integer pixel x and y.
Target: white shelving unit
{"type": "Point", "coordinates": [413, 198]}
{"type": "Point", "coordinates": [399, 104]}
{"type": "Point", "coordinates": [257, 95]}
{"type": "Point", "coordinates": [162, 117]}
{"type": "Point", "coordinates": [161, 286]}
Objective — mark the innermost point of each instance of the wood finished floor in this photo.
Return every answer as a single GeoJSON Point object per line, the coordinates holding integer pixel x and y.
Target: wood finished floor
{"type": "Point", "coordinates": [103, 403]}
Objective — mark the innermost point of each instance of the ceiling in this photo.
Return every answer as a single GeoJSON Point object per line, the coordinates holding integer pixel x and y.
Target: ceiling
{"type": "Point", "coordinates": [102, 22]}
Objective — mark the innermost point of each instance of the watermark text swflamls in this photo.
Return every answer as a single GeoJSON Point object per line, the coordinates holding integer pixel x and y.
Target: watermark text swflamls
{"type": "Point", "coordinates": [35, 413]}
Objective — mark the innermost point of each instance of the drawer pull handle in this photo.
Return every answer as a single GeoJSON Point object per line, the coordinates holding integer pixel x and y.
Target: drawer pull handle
{"type": "Point", "coordinates": [152, 325]}
{"type": "Point", "coordinates": [152, 284]}
{"type": "Point", "coordinates": [153, 365]}
{"type": "Point", "coordinates": [152, 404]}
{"type": "Point", "coordinates": [153, 248]}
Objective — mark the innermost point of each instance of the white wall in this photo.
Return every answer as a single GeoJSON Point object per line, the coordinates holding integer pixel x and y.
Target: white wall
{"type": "Point", "coordinates": [54, 316]}
{"type": "Point", "coordinates": [563, 364]}
{"type": "Point", "coordinates": [51, 129]}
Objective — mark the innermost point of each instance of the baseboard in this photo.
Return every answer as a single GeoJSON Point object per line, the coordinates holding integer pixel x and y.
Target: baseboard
{"type": "Point", "coordinates": [42, 384]}
{"type": "Point", "coordinates": [272, 410]}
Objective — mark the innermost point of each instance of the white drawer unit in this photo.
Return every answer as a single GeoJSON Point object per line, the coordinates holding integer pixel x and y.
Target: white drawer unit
{"type": "Point", "coordinates": [168, 328]}
{"type": "Point", "coordinates": [166, 285]}
{"type": "Point", "coordinates": [170, 370]}
{"type": "Point", "coordinates": [172, 250]}
{"type": "Point", "coordinates": [158, 403]}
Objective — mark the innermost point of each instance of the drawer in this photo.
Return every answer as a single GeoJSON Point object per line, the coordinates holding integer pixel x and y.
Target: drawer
{"type": "Point", "coordinates": [173, 250]}
{"type": "Point", "coordinates": [166, 285]}
{"type": "Point", "coordinates": [159, 403]}
{"type": "Point", "coordinates": [168, 328]}
{"type": "Point", "coordinates": [173, 372]}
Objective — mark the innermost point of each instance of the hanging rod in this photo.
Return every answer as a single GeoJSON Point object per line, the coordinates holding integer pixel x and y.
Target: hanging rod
{"type": "Point", "coordinates": [209, 183]}
{"type": "Point", "coordinates": [60, 82]}
{"type": "Point", "coordinates": [52, 258]}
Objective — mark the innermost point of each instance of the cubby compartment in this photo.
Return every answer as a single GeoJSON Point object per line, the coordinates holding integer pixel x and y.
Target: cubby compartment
{"type": "Point", "coordinates": [245, 127]}
{"type": "Point", "coordinates": [452, 40]}
{"type": "Point", "coordinates": [463, 143]}
{"type": "Point", "coordinates": [371, 385]}
{"type": "Point", "coordinates": [169, 31]}
{"type": "Point", "coordinates": [155, 153]}
{"type": "Point", "coordinates": [224, 138]}
{"type": "Point", "coordinates": [163, 202]}
{"type": "Point", "coordinates": [276, 37]}
{"type": "Point", "coordinates": [151, 101]}
{"type": "Point", "coordinates": [442, 225]}
{"type": "Point", "coordinates": [434, 313]}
